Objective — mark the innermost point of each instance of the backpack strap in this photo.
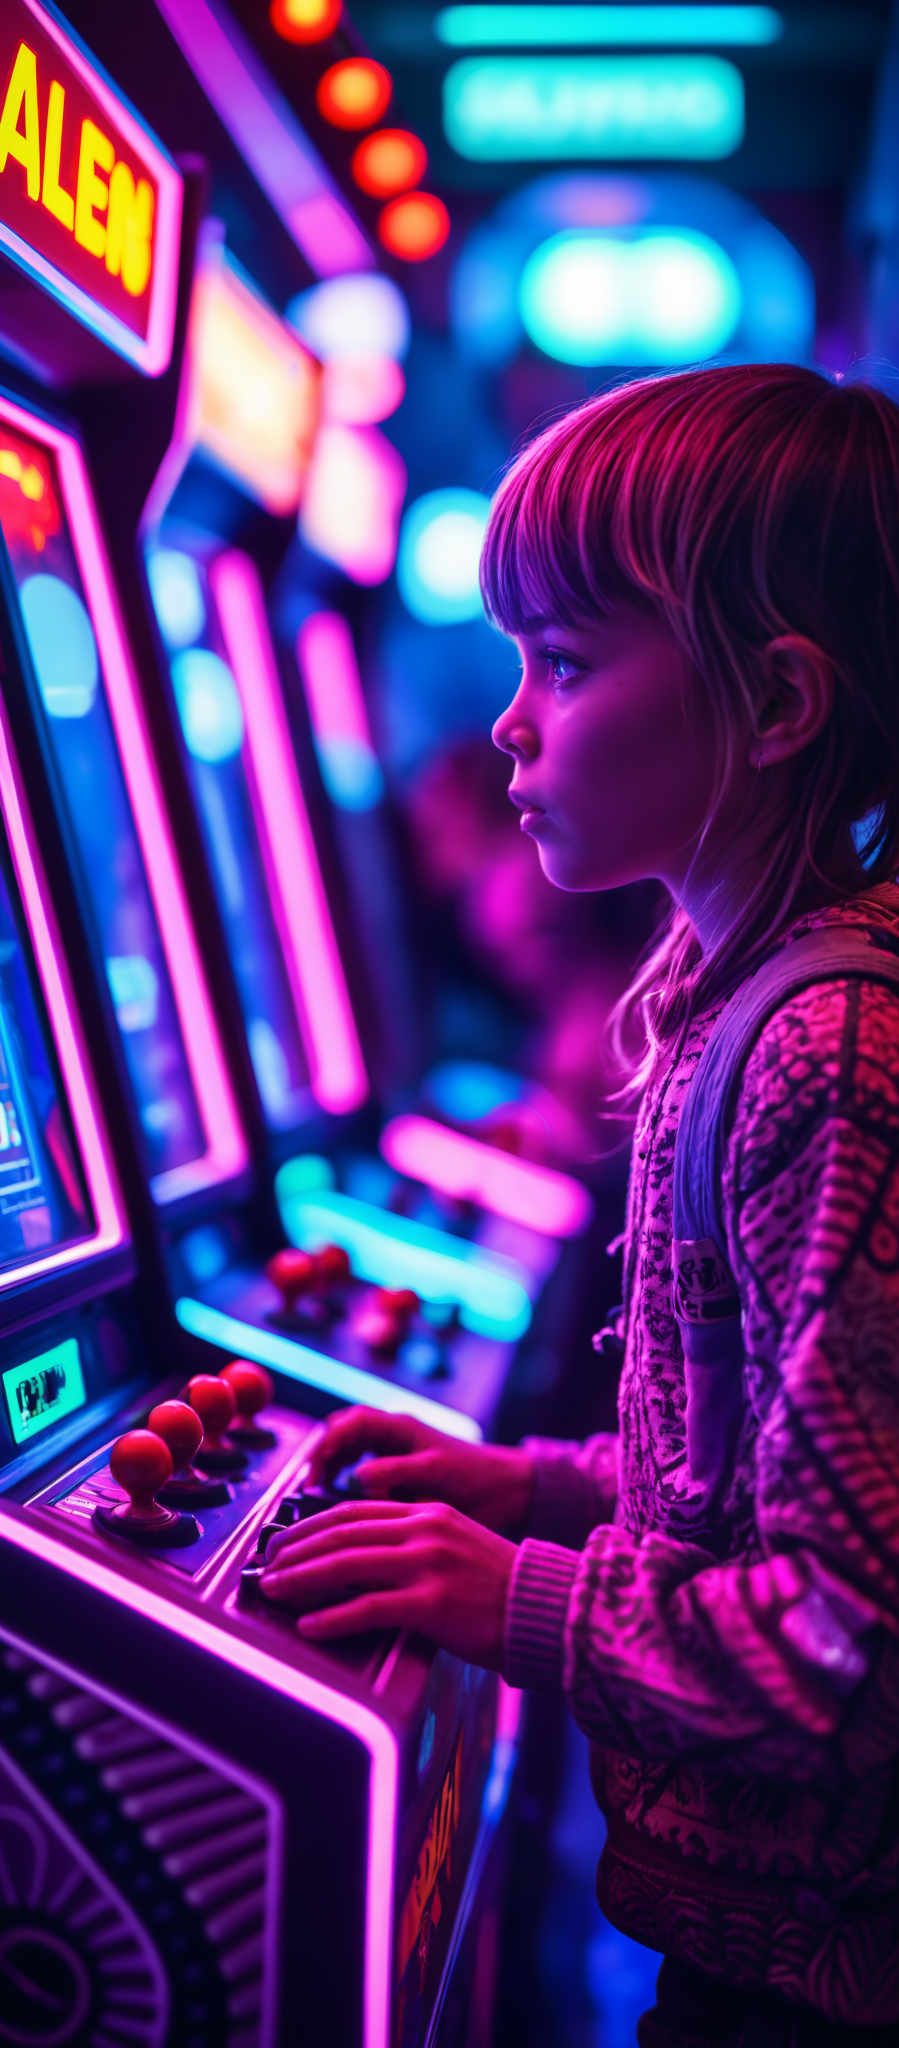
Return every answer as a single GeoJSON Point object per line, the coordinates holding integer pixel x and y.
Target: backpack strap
{"type": "Point", "coordinates": [705, 1295]}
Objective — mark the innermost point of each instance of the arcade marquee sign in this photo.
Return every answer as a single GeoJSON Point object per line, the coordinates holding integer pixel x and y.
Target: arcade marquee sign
{"type": "Point", "coordinates": [90, 204]}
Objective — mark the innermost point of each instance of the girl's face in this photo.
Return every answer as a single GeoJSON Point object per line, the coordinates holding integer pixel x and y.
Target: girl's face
{"type": "Point", "coordinates": [613, 749]}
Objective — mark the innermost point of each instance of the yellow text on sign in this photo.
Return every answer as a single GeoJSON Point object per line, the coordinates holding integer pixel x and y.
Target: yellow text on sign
{"type": "Point", "coordinates": [109, 214]}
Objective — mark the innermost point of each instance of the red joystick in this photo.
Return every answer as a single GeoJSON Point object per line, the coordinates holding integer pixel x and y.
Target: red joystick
{"type": "Point", "coordinates": [398, 1301]}
{"type": "Point", "coordinates": [293, 1273]}
{"type": "Point", "coordinates": [252, 1388]}
{"type": "Point", "coordinates": [180, 1427]}
{"type": "Point", "coordinates": [378, 1328]}
{"type": "Point", "coordinates": [216, 1406]}
{"type": "Point", "coordinates": [332, 1265]}
{"type": "Point", "coordinates": [141, 1463]}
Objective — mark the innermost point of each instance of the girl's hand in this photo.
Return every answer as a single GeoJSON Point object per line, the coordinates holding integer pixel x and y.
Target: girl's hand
{"type": "Point", "coordinates": [490, 1482]}
{"type": "Point", "coordinates": [426, 1568]}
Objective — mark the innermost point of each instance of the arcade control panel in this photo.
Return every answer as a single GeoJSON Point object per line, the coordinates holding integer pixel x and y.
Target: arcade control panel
{"type": "Point", "coordinates": [203, 1485]}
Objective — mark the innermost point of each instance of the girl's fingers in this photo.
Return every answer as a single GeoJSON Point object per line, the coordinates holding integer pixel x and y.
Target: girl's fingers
{"type": "Point", "coordinates": [326, 1575]}
{"type": "Point", "coordinates": [354, 1617]}
{"type": "Point", "coordinates": [406, 1478]}
{"type": "Point", "coordinates": [346, 1436]}
{"type": "Point", "coordinates": [365, 1522]}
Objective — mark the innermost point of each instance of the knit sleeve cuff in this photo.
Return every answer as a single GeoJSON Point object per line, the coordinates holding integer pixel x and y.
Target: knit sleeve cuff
{"type": "Point", "coordinates": [536, 1606]}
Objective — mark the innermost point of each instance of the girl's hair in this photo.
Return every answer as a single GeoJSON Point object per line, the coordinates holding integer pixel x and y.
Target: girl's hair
{"type": "Point", "coordinates": [738, 503]}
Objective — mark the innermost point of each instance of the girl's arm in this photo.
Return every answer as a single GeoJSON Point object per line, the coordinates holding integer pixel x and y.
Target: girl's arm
{"type": "Point", "coordinates": [575, 1486]}
{"type": "Point", "coordinates": [660, 1648]}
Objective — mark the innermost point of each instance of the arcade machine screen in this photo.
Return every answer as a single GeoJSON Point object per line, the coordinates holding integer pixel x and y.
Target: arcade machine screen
{"type": "Point", "coordinates": [68, 668]}
{"type": "Point", "coordinates": [230, 805]}
{"type": "Point", "coordinates": [43, 1198]}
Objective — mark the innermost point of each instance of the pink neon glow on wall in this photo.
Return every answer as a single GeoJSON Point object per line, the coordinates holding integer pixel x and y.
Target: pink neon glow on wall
{"type": "Point", "coordinates": [269, 138]}
{"type": "Point", "coordinates": [337, 1068]}
{"type": "Point", "coordinates": [153, 354]}
{"type": "Point", "coordinates": [93, 1140]}
{"type": "Point", "coordinates": [333, 688]}
{"type": "Point", "coordinates": [226, 1150]}
{"type": "Point", "coordinates": [362, 389]}
{"type": "Point", "coordinates": [354, 497]}
{"type": "Point", "coordinates": [465, 1167]}
{"type": "Point", "coordinates": [85, 1568]}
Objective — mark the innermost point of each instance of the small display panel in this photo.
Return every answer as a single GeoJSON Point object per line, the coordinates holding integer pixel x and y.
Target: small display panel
{"type": "Point", "coordinates": [44, 1389]}
{"type": "Point", "coordinates": [43, 1198]}
{"type": "Point", "coordinates": [70, 676]}
{"type": "Point", "coordinates": [213, 722]}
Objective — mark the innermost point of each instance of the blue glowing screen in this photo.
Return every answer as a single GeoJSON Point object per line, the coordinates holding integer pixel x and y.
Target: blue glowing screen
{"type": "Point", "coordinates": [82, 739]}
{"type": "Point", "coordinates": [222, 776]}
{"type": "Point", "coordinates": [43, 1200]}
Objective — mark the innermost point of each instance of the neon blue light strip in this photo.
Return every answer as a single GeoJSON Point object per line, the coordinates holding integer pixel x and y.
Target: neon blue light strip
{"type": "Point", "coordinates": [393, 1252]}
{"type": "Point", "coordinates": [614, 27]}
{"type": "Point", "coordinates": [314, 1369]}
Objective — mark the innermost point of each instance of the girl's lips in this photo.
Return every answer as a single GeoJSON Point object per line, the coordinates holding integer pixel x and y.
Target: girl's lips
{"type": "Point", "coordinates": [530, 818]}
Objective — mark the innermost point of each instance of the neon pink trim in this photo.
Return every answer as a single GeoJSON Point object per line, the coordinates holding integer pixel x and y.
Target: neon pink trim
{"type": "Point", "coordinates": [226, 1151]}
{"type": "Point", "coordinates": [268, 135]}
{"type": "Point", "coordinates": [327, 663]}
{"type": "Point", "coordinates": [465, 1167]}
{"type": "Point", "coordinates": [321, 997]}
{"type": "Point", "coordinates": [509, 1707]}
{"type": "Point", "coordinates": [93, 1139]}
{"type": "Point", "coordinates": [264, 1669]}
{"type": "Point", "coordinates": [154, 354]}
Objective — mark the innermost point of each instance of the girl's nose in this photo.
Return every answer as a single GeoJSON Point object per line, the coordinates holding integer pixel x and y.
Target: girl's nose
{"type": "Point", "coordinates": [512, 737]}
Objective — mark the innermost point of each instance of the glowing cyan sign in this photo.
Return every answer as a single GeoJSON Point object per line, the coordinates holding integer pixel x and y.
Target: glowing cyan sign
{"type": "Point", "coordinates": [498, 107]}
{"type": "Point", "coordinates": [89, 202]}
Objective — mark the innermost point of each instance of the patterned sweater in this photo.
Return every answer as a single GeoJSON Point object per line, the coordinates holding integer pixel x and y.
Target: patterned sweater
{"type": "Point", "coordinates": [739, 1682]}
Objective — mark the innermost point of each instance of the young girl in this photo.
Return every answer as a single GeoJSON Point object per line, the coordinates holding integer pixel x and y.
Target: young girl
{"type": "Point", "coordinates": [701, 572]}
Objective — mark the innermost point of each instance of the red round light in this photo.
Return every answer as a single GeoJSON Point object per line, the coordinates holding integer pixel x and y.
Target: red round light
{"type": "Point", "coordinates": [354, 93]}
{"type": "Point", "coordinates": [305, 21]}
{"type": "Point", "coordinates": [389, 161]}
{"type": "Point", "coordinates": [414, 226]}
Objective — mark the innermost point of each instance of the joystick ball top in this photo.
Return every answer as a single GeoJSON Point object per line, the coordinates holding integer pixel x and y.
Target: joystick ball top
{"type": "Point", "coordinates": [140, 1463]}
{"type": "Point", "coordinates": [398, 1301]}
{"type": "Point", "coordinates": [292, 1273]}
{"type": "Point", "coordinates": [180, 1427]}
{"type": "Point", "coordinates": [250, 1384]}
{"type": "Point", "coordinates": [332, 1263]}
{"type": "Point", "coordinates": [214, 1402]}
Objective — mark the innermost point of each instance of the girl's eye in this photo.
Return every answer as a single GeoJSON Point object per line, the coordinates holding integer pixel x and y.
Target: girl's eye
{"type": "Point", "coordinates": [558, 663]}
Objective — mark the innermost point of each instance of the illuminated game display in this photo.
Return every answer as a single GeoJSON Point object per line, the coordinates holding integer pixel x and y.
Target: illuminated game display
{"type": "Point", "coordinates": [67, 664]}
{"type": "Point", "coordinates": [43, 1199]}
{"type": "Point", "coordinates": [100, 753]}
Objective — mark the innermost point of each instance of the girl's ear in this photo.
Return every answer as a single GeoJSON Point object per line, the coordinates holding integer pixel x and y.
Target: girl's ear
{"type": "Point", "coordinates": [799, 700]}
